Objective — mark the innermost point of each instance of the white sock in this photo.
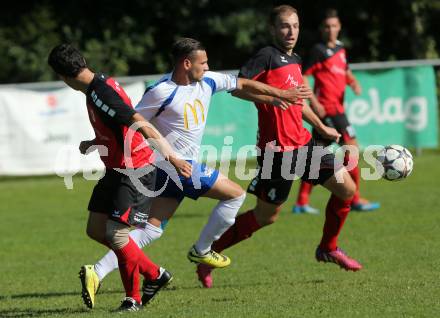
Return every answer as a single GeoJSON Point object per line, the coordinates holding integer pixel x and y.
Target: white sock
{"type": "Point", "coordinates": [145, 236]}
{"type": "Point", "coordinates": [141, 236]}
{"type": "Point", "coordinates": [222, 217]}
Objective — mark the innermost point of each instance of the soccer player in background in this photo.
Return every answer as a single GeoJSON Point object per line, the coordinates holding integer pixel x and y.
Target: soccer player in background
{"type": "Point", "coordinates": [327, 63]}
{"type": "Point", "coordinates": [178, 105]}
{"type": "Point", "coordinates": [116, 204]}
{"type": "Point", "coordinates": [282, 136]}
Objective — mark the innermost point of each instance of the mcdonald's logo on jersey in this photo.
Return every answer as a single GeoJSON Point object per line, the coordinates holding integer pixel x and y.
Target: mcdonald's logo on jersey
{"type": "Point", "coordinates": [193, 110]}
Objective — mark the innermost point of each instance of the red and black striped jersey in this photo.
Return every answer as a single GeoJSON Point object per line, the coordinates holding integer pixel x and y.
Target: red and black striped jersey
{"type": "Point", "coordinates": [110, 112]}
{"type": "Point", "coordinates": [284, 127]}
{"type": "Point", "coordinates": [329, 69]}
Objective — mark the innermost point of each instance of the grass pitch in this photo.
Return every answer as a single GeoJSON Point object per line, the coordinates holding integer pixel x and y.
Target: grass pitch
{"type": "Point", "coordinates": [273, 274]}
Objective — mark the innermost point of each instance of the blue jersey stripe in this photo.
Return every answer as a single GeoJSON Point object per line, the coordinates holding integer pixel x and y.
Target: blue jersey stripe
{"type": "Point", "coordinates": [149, 88]}
{"type": "Point", "coordinates": [211, 83]}
{"type": "Point", "coordinates": [166, 102]}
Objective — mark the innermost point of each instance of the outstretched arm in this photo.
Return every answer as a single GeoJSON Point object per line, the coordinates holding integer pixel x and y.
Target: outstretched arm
{"type": "Point", "coordinates": [261, 99]}
{"type": "Point", "coordinates": [262, 93]}
{"type": "Point", "coordinates": [258, 88]}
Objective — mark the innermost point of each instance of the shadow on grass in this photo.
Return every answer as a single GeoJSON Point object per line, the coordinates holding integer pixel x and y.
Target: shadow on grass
{"type": "Point", "coordinates": [218, 286]}
{"type": "Point", "coordinates": [20, 312]}
{"type": "Point", "coordinates": [70, 293]}
{"type": "Point", "coordinates": [242, 285]}
{"type": "Point", "coordinates": [55, 294]}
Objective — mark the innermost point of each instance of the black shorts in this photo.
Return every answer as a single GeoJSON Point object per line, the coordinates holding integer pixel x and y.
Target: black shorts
{"type": "Point", "coordinates": [341, 124]}
{"type": "Point", "coordinates": [116, 195]}
{"type": "Point", "coordinates": [311, 163]}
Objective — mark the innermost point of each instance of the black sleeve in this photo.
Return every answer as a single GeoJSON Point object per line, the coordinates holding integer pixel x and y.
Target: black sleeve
{"type": "Point", "coordinates": [255, 66]}
{"type": "Point", "coordinates": [313, 61]}
{"type": "Point", "coordinates": [114, 106]}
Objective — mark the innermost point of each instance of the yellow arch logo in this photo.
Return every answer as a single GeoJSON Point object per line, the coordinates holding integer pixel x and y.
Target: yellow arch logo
{"type": "Point", "coordinates": [193, 109]}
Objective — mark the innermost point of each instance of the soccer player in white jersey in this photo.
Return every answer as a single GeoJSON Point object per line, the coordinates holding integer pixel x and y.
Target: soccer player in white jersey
{"type": "Point", "coordinates": [177, 105]}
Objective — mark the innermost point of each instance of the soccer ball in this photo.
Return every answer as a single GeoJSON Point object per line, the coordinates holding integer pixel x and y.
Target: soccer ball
{"type": "Point", "coordinates": [395, 161]}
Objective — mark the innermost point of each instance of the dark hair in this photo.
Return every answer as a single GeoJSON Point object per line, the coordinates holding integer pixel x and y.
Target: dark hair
{"type": "Point", "coordinates": [184, 47]}
{"type": "Point", "coordinates": [330, 13]}
{"type": "Point", "coordinates": [279, 10]}
{"type": "Point", "coordinates": [66, 60]}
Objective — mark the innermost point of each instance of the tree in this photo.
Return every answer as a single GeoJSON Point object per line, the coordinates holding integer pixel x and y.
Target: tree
{"type": "Point", "coordinates": [134, 38]}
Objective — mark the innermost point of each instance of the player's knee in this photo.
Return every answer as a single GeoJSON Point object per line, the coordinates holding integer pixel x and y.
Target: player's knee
{"type": "Point", "coordinates": [117, 234]}
{"type": "Point", "coordinates": [267, 221]}
{"type": "Point", "coordinates": [236, 193]}
{"type": "Point", "coordinates": [348, 191]}
{"type": "Point", "coordinates": [268, 216]}
{"type": "Point", "coordinates": [95, 233]}
{"type": "Point", "coordinates": [270, 219]}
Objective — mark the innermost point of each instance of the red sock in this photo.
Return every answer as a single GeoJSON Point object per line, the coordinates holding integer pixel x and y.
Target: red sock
{"type": "Point", "coordinates": [245, 224]}
{"type": "Point", "coordinates": [304, 192]}
{"type": "Point", "coordinates": [147, 268]}
{"type": "Point", "coordinates": [335, 215]}
{"type": "Point", "coordinates": [354, 173]}
{"type": "Point", "coordinates": [355, 176]}
{"type": "Point", "coordinates": [128, 261]}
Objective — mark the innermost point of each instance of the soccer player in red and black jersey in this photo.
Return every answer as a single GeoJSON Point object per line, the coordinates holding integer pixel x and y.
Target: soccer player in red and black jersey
{"type": "Point", "coordinates": [117, 203]}
{"type": "Point", "coordinates": [327, 63]}
{"type": "Point", "coordinates": [285, 143]}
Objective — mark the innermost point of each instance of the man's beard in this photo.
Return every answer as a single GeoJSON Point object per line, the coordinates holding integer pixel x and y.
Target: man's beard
{"type": "Point", "coordinates": [193, 79]}
{"type": "Point", "coordinates": [285, 46]}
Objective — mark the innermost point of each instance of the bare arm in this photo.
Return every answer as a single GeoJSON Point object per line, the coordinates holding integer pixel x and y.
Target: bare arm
{"type": "Point", "coordinates": [314, 103]}
{"type": "Point", "coordinates": [325, 131]}
{"type": "Point", "coordinates": [158, 142]}
{"type": "Point", "coordinates": [258, 88]}
{"type": "Point", "coordinates": [154, 137]}
{"type": "Point", "coordinates": [262, 93]}
{"type": "Point", "coordinates": [262, 99]}
{"type": "Point", "coordinates": [353, 82]}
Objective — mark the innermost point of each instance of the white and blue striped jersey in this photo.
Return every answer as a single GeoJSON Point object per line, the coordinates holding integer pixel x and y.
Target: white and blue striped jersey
{"type": "Point", "coordinates": [179, 112]}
